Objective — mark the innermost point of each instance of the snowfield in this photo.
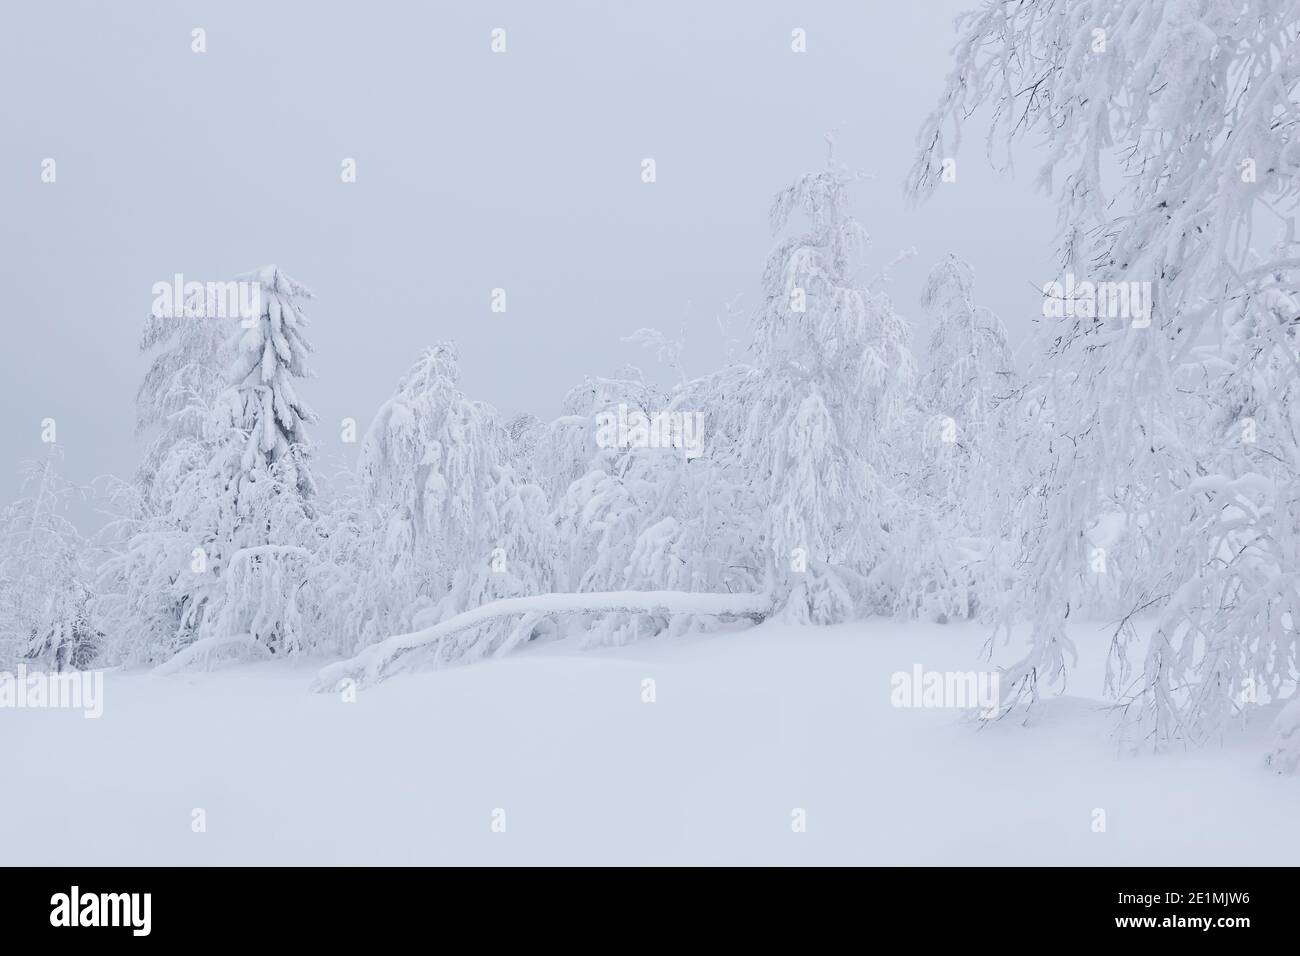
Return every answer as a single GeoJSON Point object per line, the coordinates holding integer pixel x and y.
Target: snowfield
{"type": "Point", "coordinates": [746, 728]}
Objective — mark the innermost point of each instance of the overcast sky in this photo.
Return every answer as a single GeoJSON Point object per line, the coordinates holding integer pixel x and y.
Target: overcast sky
{"type": "Point", "coordinates": [475, 170]}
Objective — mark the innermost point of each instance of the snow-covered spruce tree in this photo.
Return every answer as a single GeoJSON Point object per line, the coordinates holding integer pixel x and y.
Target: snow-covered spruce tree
{"type": "Point", "coordinates": [259, 487]}
{"type": "Point", "coordinates": [832, 372]}
{"type": "Point", "coordinates": [242, 494]}
{"type": "Point", "coordinates": [222, 548]}
{"type": "Point", "coordinates": [45, 576]}
{"type": "Point", "coordinates": [260, 409]}
{"type": "Point", "coordinates": [1171, 141]}
{"type": "Point", "coordinates": [949, 559]}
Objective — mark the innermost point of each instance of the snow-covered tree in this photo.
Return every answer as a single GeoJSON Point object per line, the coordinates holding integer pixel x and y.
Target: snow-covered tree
{"type": "Point", "coordinates": [192, 354]}
{"type": "Point", "coordinates": [140, 596]}
{"type": "Point", "coordinates": [644, 518]}
{"type": "Point", "coordinates": [832, 372]}
{"type": "Point", "coordinates": [260, 408]}
{"type": "Point", "coordinates": [603, 501]}
{"type": "Point", "coordinates": [515, 559]}
{"type": "Point", "coordinates": [422, 466]}
{"type": "Point", "coordinates": [949, 558]}
{"type": "Point", "coordinates": [254, 498]}
{"type": "Point", "coordinates": [143, 584]}
{"type": "Point", "coordinates": [526, 433]}
{"type": "Point", "coordinates": [969, 364]}
{"type": "Point", "coordinates": [45, 576]}
{"type": "Point", "coordinates": [224, 544]}
{"type": "Point", "coordinates": [451, 521]}
{"type": "Point", "coordinates": [1170, 138]}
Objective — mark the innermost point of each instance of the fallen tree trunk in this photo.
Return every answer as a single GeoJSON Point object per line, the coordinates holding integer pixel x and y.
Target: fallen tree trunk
{"type": "Point", "coordinates": [203, 651]}
{"type": "Point", "coordinates": [368, 666]}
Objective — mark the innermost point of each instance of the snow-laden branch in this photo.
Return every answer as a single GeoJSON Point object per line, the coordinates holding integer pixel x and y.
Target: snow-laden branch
{"type": "Point", "coordinates": [368, 666]}
{"type": "Point", "coordinates": [203, 651]}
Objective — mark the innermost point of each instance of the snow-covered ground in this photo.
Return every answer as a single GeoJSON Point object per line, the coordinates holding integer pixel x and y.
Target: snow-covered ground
{"type": "Point", "coordinates": [746, 728]}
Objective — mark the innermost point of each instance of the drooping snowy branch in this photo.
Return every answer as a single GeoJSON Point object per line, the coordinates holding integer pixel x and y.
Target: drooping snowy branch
{"type": "Point", "coordinates": [1172, 146]}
